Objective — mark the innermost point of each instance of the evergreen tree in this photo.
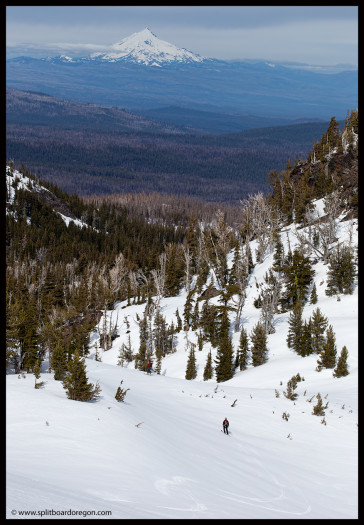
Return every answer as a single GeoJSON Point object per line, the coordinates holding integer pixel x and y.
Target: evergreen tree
{"type": "Point", "coordinates": [76, 383]}
{"type": "Point", "coordinates": [313, 296]}
{"type": "Point", "coordinates": [243, 349]}
{"type": "Point", "coordinates": [191, 370]}
{"type": "Point", "coordinates": [121, 393]}
{"type": "Point", "coordinates": [160, 336]}
{"type": "Point", "coordinates": [224, 359]}
{"type": "Point", "coordinates": [327, 358]}
{"type": "Point", "coordinates": [208, 370]}
{"type": "Point", "coordinates": [208, 322]}
{"type": "Point", "coordinates": [188, 310]}
{"type": "Point", "coordinates": [28, 337]}
{"type": "Point", "coordinates": [202, 274]}
{"type": "Point", "coordinates": [306, 339]}
{"type": "Point", "coordinates": [179, 321]}
{"type": "Point", "coordinates": [278, 256]}
{"type": "Point", "coordinates": [295, 324]}
{"type": "Point", "coordinates": [140, 358]}
{"type": "Point", "coordinates": [192, 239]}
{"type": "Point", "coordinates": [59, 361]}
{"type": "Point", "coordinates": [37, 371]}
{"type": "Point", "coordinates": [174, 271]}
{"type": "Point", "coordinates": [158, 366]}
{"type": "Point", "coordinates": [195, 317]}
{"type": "Point", "coordinates": [319, 408]}
{"type": "Point", "coordinates": [319, 324]}
{"type": "Point", "coordinates": [291, 387]}
{"type": "Point", "coordinates": [341, 369]}
{"type": "Point", "coordinates": [332, 134]}
{"type": "Point", "coordinates": [298, 276]}
{"type": "Point", "coordinates": [341, 272]}
{"type": "Point", "coordinates": [259, 349]}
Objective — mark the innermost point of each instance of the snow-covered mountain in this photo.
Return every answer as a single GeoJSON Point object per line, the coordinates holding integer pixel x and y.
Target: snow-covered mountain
{"type": "Point", "coordinates": [144, 47]}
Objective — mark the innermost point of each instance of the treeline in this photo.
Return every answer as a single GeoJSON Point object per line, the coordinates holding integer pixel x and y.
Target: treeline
{"type": "Point", "coordinates": [168, 209]}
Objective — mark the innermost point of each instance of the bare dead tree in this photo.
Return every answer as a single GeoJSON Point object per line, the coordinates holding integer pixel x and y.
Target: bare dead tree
{"type": "Point", "coordinates": [159, 278]}
{"type": "Point", "coordinates": [188, 260]}
{"type": "Point", "coordinates": [320, 235]}
{"type": "Point", "coordinates": [118, 273]}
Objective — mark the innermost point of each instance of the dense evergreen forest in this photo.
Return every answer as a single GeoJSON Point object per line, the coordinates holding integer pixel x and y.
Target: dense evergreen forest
{"type": "Point", "coordinates": [90, 150]}
{"type": "Point", "coordinates": [60, 276]}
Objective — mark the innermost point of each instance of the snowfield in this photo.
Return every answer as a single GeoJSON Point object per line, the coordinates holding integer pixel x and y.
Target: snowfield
{"type": "Point", "coordinates": [161, 453]}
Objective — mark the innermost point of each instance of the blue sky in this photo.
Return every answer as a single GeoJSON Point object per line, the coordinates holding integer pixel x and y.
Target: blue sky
{"type": "Point", "coordinates": [324, 35]}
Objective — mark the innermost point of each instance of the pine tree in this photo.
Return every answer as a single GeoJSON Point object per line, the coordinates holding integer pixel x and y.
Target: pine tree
{"type": "Point", "coordinates": [295, 324]}
{"type": "Point", "coordinates": [259, 349]}
{"type": "Point", "coordinates": [76, 383]}
{"type": "Point", "coordinates": [187, 310]}
{"type": "Point", "coordinates": [278, 256]}
{"type": "Point", "coordinates": [59, 361]}
{"type": "Point", "coordinates": [174, 271]}
{"type": "Point", "coordinates": [243, 349]}
{"type": "Point", "coordinates": [298, 276]}
{"type": "Point", "coordinates": [120, 393]}
{"type": "Point", "coordinates": [341, 369]}
{"type": "Point", "coordinates": [327, 358]}
{"type": "Point", "coordinates": [160, 334]}
{"type": "Point", "coordinates": [313, 296]}
{"type": "Point", "coordinates": [179, 321]}
{"type": "Point", "coordinates": [208, 322]}
{"type": "Point", "coordinates": [195, 317]}
{"type": "Point", "coordinates": [37, 371]}
{"type": "Point", "coordinates": [291, 387]}
{"type": "Point", "coordinates": [140, 358]}
{"type": "Point", "coordinates": [306, 339]}
{"type": "Point", "coordinates": [191, 371]}
{"type": "Point", "coordinates": [319, 324]}
{"type": "Point", "coordinates": [319, 408]}
{"type": "Point", "coordinates": [208, 370]}
{"type": "Point", "coordinates": [158, 366]}
{"type": "Point", "coordinates": [28, 337]}
{"type": "Point", "coordinates": [341, 272]}
{"type": "Point", "coordinates": [192, 239]}
{"type": "Point", "coordinates": [224, 359]}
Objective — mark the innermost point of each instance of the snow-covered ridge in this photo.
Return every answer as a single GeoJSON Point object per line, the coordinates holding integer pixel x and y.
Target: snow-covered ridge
{"type": "Point", "coordinates": [146, 48]}
{"type": "Point", "coordinates": [15, 179]}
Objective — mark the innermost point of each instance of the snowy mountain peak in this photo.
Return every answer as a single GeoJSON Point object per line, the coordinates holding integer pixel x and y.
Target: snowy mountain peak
{"type": "Point", "coordinates": [146, 48]}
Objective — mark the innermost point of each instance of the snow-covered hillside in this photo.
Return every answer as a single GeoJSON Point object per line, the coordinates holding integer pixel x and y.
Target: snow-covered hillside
{"type": "Point", "coordinates": [16, 179]}
{"type": "Point", "coordinates": [161, 453]}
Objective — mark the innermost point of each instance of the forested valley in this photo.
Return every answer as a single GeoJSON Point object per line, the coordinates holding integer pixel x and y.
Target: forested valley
{"type": "Point", "coordinates": [90, 150]}
{"type": "Point", "coordinates": [70, 258]}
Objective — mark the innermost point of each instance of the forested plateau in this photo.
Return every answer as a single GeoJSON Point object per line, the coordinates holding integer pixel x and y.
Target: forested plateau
{"type": "Point", "coordinates": [89, 150]}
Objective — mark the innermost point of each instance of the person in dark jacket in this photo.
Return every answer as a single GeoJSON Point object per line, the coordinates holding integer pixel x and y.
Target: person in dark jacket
{"type": "Point", "coordinates": [225, 425]}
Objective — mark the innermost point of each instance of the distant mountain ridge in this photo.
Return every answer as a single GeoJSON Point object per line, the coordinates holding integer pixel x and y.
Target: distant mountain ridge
{"type": "Point", "coordinates": [143, 72]}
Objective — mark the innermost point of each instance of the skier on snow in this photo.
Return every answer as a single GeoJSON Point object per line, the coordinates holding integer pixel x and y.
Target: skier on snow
{"type": "Point", "coordinates": [225, 425]}
{"type": "Point", "coordinates": [149, 368]}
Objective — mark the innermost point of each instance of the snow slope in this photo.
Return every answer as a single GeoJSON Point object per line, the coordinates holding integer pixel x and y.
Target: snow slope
{"type": "Point", "coordinates": [161, 453]}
